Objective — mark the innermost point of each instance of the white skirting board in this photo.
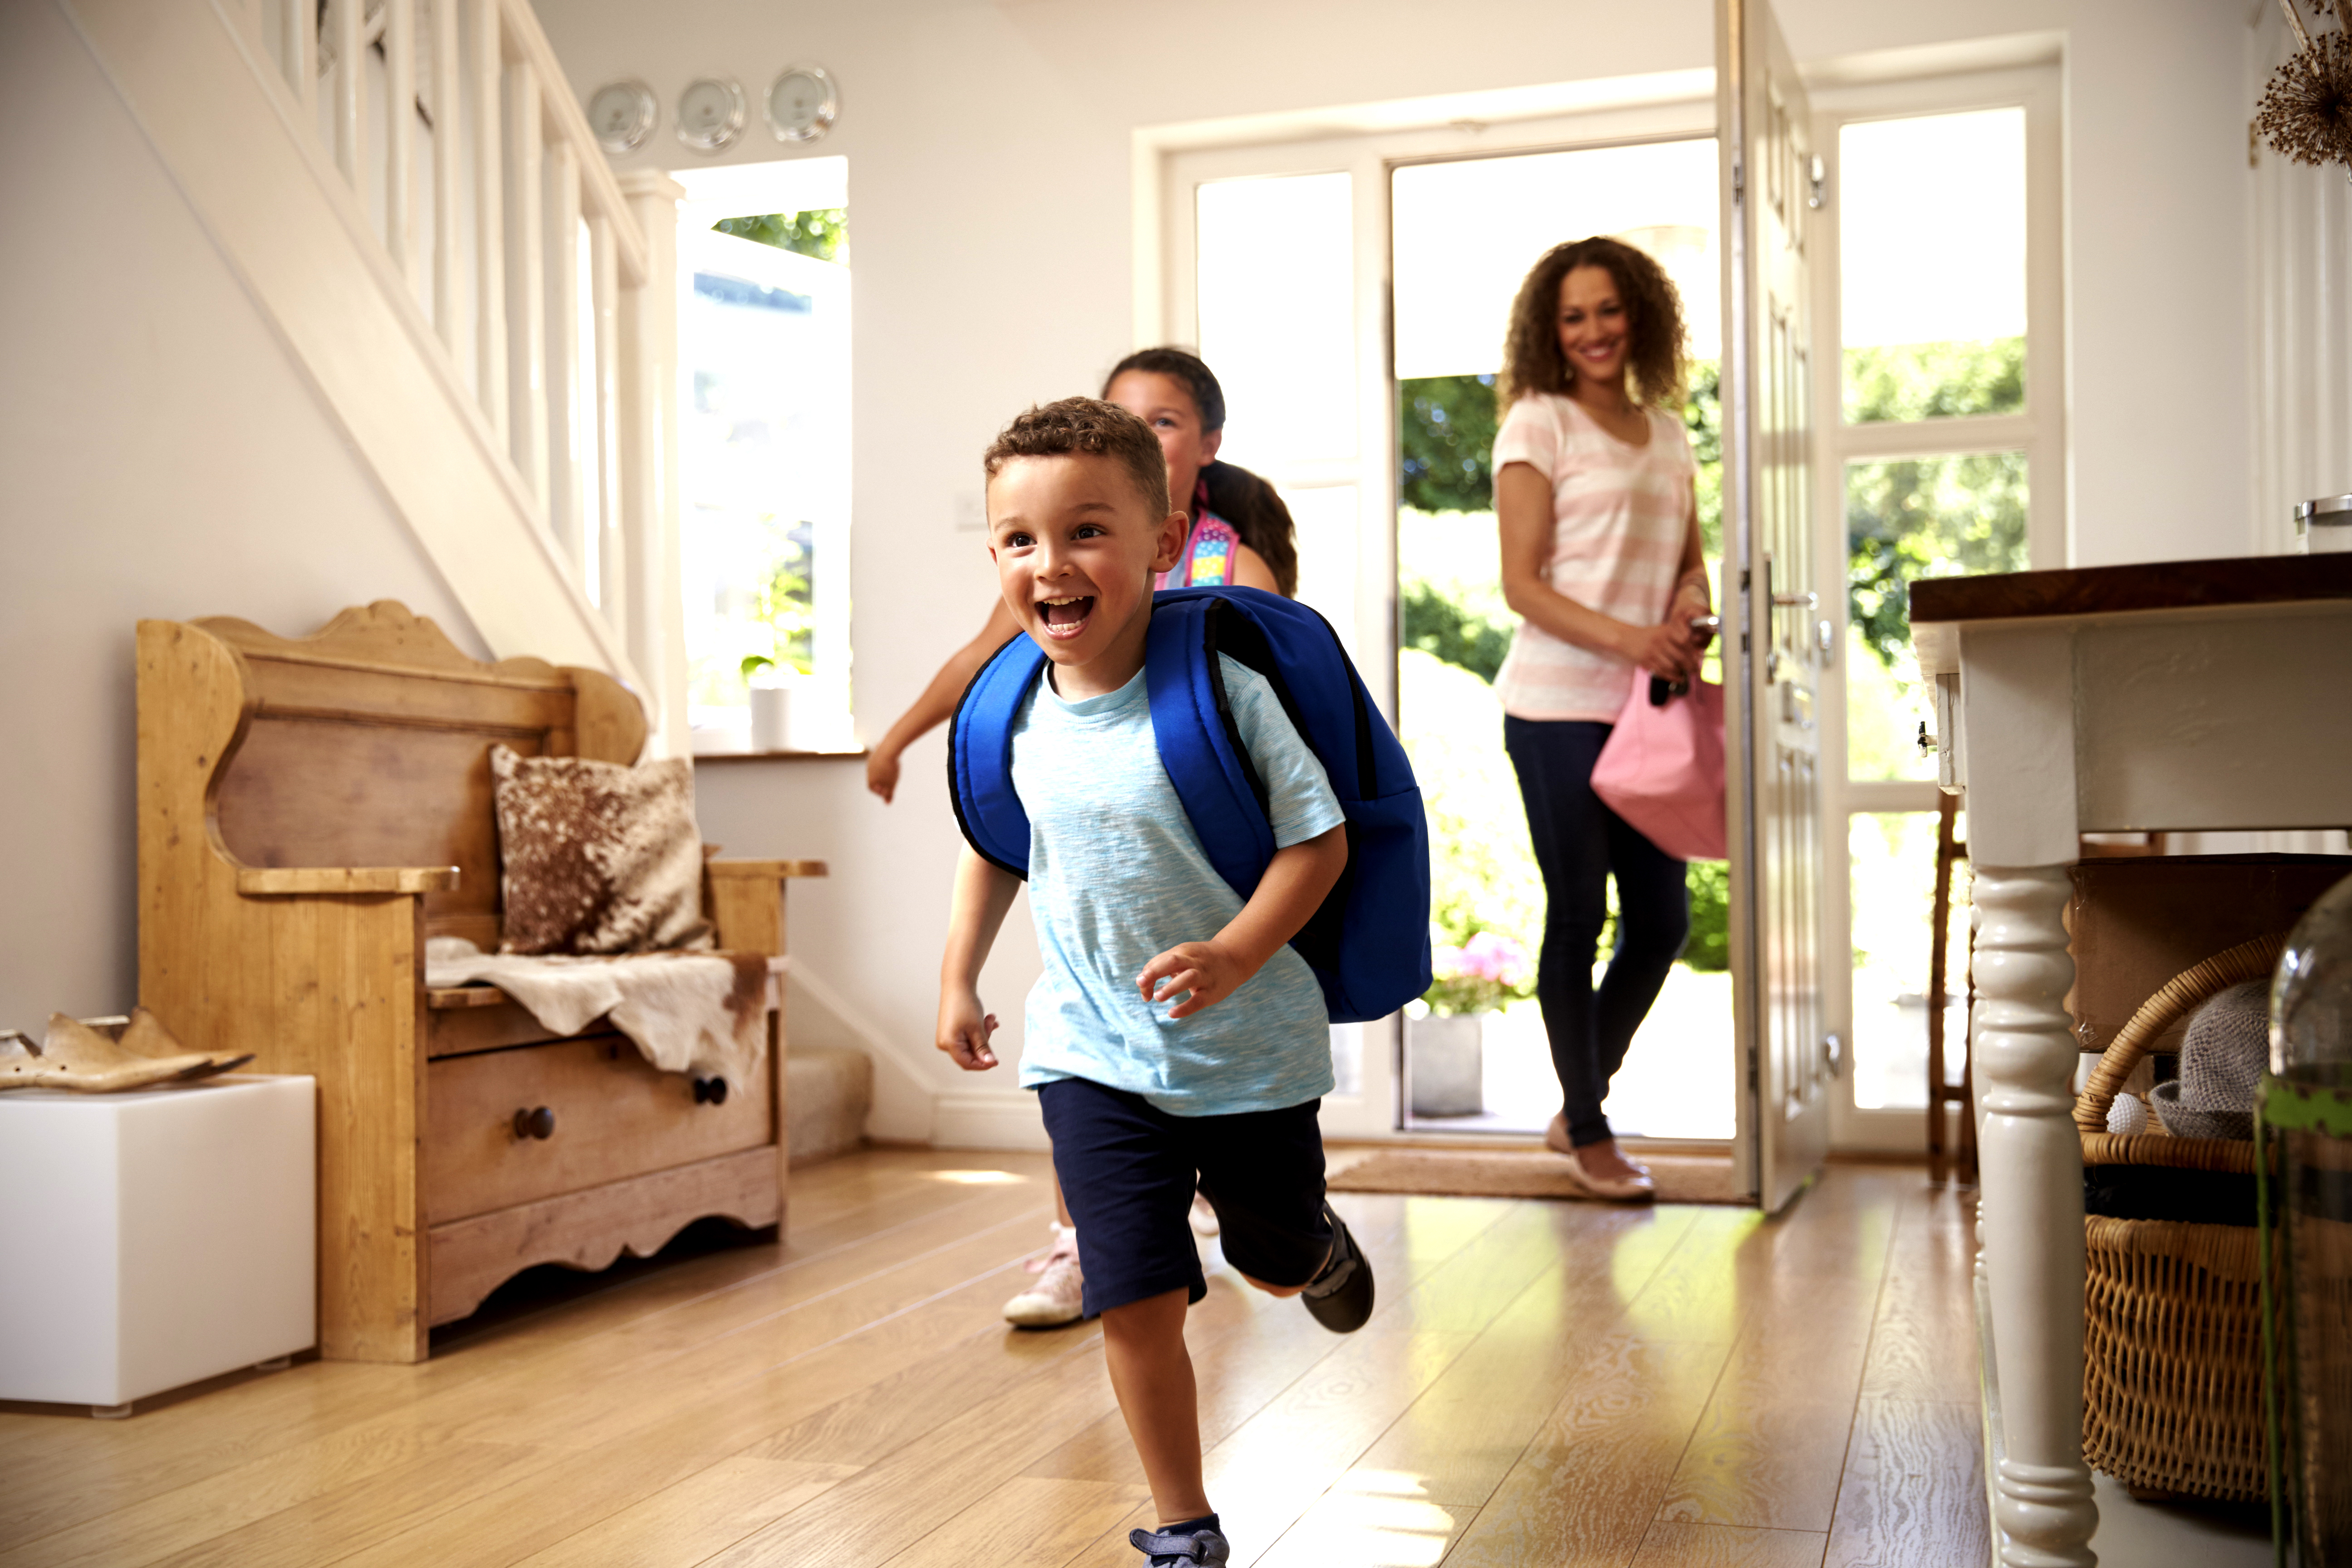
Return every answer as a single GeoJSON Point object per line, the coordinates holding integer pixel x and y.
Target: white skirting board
{"type": "Point", "coordinates": [989, 1118]}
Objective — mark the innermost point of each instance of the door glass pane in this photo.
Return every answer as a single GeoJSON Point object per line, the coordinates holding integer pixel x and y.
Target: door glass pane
{"type": "Point", "coordinates": [1327, 530]}
{"type": "Point", "coordinates": [1466, 234]}
{"type": "Point", "coordinates": [1277, 295]}
{"type": "Point", "coordinates": [1905, 519]}
{"type": "Point", "coordinates": [1931, 265]}
{"type": "Point", "coordinates": [1892, 856]}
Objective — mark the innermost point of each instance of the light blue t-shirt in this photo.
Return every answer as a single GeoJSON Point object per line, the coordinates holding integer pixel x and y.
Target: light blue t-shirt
{"type": "Point", "coordinates": [1117, 876]}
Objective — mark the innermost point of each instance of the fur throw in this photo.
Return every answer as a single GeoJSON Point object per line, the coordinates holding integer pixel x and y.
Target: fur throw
{"type": "Point", "coordinates": [704, 1013]}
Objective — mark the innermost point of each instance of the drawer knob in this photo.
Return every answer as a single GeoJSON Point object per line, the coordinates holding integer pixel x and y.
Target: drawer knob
{"type": "Point", "coordinates": [537, 1122]}
{"type": "Point", "coordinates": [710, 1091]}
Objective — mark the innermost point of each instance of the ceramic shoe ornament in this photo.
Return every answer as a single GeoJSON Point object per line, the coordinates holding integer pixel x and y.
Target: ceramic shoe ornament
{"type": "Point", "coordinates": [105, 1057]}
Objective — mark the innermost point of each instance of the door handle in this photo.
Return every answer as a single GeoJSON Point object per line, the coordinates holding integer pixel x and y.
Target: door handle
{"type": "Point", "coordinates": [1797, 601]}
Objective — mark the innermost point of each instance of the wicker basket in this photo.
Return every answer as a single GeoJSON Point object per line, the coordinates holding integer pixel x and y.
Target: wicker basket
{"type": "Point", "coordinates": [2172, 1365]}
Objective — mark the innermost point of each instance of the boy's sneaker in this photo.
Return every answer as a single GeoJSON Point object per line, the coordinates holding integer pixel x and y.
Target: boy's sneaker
{"type": "Point", "coordinates": [1195, 1542]}
{"type": "Point", "coordinates": [1340, 1297]}
{"type": "Point", "coordinates": [1059, 1295]}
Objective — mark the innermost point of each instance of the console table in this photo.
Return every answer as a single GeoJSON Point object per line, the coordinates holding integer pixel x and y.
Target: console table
{"type": "Point", "coordinates": [2186, 696]}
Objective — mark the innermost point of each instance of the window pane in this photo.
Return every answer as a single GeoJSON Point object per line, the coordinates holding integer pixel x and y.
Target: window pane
{"type": "Point", "coordinates": [1893, 864]}
{"type": "Point", "coordinates": [1905, 519]}
{"type": "Point", "coordinates": [763, 342]}
{"type": "Point", "coordinates": [1931, 265]}
{"type": "Point", "coordinates": [1277, 295]}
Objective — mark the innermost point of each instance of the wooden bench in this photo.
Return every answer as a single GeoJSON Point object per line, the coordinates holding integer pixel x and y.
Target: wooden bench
{"type": "Point", "coordinates": [311, 811]}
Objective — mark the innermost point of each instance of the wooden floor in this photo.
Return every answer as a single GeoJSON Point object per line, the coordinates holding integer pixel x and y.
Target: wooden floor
{"type": "Point", "coordinates": [1544, 1383]}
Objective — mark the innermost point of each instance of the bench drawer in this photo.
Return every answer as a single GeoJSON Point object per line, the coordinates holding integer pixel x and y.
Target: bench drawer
{"type": "Point", "coordinates": [610, 1114]}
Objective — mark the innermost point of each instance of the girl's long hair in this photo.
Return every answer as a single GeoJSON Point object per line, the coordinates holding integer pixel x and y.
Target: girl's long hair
{"type": "Point", "coordinates": [1532, 361]}
{"type": "Point", "coordinates": [1252, 506]}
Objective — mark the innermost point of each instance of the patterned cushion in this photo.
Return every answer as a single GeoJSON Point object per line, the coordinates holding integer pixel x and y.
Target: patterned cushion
{"type": "Point", "coordinates": [598, 858]}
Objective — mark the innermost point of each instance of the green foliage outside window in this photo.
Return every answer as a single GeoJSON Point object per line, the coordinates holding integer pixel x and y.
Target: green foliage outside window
{"type": "Point", "coordinates": [1935, 381]}
{"type": "Point", "coordinates": [1446, 443]}
{"type": "Point", "coordinates": [822, 232]}
{"type": "Point", "coordinates": [786, 607]}
{"type": "Point", "coordinates": [1438, 625]}
{"type": "Point", "coordinates": [1928, 517]}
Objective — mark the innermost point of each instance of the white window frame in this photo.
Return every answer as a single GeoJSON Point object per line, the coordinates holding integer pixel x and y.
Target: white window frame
{"type": "Point", "coordinates": [1370, 144]}
{"type": "Point", "coordinates": [2040, 431]}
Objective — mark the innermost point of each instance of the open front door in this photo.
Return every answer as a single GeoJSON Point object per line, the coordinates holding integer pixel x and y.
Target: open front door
{"type": "Point", "coordinates": [1773, 657]}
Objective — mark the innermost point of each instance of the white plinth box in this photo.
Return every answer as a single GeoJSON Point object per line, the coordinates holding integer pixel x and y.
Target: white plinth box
{"type": "Point", "coordinates": [152, 1239]}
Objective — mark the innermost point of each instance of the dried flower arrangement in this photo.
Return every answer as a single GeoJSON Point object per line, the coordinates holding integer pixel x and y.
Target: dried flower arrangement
{"type": "Point", "coordinates": [2306, 111]}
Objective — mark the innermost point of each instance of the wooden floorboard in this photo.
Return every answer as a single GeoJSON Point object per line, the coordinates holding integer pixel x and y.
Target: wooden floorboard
{"type": "Point", "coordinates": [1543, 1383]}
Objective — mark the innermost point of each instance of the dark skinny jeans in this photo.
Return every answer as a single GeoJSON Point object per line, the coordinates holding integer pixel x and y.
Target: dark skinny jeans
{"type": "Point", "coordinates": [1579, 843]}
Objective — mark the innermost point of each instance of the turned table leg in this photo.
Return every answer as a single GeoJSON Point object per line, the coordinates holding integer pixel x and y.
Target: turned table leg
{"type": "Point", "coordinates": [2031, 1202]}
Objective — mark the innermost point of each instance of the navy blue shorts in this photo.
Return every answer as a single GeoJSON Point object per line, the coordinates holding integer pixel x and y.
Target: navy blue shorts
{"type": "Point", "coordinates": [1128, 1173]}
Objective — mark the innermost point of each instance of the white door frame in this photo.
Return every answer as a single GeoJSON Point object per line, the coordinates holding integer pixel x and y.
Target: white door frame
{"type": "Point", "coordinates": [1172, 162]}
{"type": "Point", "coordinates": [2040, 432]}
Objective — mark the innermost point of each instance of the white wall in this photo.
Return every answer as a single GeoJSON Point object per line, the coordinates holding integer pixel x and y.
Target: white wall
{"type": "Point", "coordinates": [160, 456]}
{"type": "Point", "coordinates": [989, 150]}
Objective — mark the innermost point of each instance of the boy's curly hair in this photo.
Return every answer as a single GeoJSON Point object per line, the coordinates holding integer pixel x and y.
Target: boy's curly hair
{"type": "Point", "coordinates": [1086, 427]}
{"type": "Point", "coordinates": [1653, 319]}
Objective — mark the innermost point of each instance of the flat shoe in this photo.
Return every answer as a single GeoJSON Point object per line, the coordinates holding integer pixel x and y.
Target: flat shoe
{"type": "Point", "coordinates": [1635, 1187]}
{"type": "Point", "coordinates": [1555, 1134]}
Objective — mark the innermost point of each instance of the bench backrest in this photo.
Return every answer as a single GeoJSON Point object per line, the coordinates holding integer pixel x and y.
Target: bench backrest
{"type": "Point", "coordinates": [368, 744]}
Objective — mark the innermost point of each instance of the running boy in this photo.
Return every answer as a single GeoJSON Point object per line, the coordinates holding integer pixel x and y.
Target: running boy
{"type": "Point", "coordinates": [1174, 1037]}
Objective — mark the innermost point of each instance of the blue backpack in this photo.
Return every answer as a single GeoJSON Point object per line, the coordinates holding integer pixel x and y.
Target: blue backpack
{"type": "Point", "coordinates": [1369, 944]}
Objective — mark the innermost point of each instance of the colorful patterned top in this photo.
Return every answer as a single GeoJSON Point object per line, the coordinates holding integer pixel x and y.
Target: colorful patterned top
{"type": "Point", "coordinates": [1620, 516]}
{"type": "Point", "coordinates": [1209, 552]}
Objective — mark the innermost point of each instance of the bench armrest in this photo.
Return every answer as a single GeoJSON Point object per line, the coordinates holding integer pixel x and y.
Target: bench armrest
{"type": "Point", "coordinates": [770, 871]}
{"type": "Point", "coordinates": [264, 881]}
{"type": "Point", "coordinates": [747, 901]}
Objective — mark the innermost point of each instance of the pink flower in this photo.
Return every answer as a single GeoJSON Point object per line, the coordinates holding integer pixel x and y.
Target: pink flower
{"type": "Point", "coordinates": [1496, 958]}
{"type": "Point", "coordinates": [1445, 962]}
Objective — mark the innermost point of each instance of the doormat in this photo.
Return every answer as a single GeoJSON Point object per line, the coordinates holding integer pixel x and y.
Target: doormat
{"type": "Point", "coordinates": [1530, 1173]}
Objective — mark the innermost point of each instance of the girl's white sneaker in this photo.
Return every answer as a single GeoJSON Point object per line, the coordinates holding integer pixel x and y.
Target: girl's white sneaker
{"type": "Point", "coordinates": [1059, 1295]}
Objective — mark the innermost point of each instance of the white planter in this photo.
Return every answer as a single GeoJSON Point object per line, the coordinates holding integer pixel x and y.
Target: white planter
{"type": "Point", "coordinates": [771, 718]}
{"type": "Point", "coordinates": [154, 1239]}
{"type": "Point", "coordinates": [1446, 1064]}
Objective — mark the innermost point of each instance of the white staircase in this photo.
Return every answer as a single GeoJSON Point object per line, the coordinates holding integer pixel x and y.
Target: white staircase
{"type": "Point", "coordinates": [410, 192]}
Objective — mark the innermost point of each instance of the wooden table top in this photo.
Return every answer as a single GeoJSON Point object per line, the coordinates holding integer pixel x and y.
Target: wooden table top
{"type": "Point", "coordinates": [1940, 605]}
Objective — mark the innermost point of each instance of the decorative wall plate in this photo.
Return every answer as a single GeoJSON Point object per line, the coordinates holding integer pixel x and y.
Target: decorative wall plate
{"type": "Point", "coordinates": [622, 114]}
{"type": "Point", "coordinates": [803, 103]}
{"type": "Point", "coordinates": [710, 114]}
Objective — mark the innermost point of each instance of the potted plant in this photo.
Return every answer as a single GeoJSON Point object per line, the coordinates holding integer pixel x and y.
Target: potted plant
{"type": "Point", "coordinates": [1445, 1032]}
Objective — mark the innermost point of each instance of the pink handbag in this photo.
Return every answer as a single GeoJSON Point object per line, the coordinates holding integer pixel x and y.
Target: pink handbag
{"type": "Point", "coordinates": [1662, 769]}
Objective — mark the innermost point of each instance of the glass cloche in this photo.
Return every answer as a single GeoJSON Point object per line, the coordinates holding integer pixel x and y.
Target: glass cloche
{"type": "Point", "coordinates": [2311, 996]}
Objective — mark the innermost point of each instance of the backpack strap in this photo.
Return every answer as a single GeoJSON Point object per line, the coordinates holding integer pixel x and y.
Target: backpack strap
{"type": "Point", "coordinates": [980, 756]}
{"type": "Point", "coordinates": [1200, 743]}
{"type": "Point", "coordinates": [1209, 552]}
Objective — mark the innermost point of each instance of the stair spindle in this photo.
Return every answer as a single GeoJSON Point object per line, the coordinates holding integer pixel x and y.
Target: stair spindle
{"type": "Point", "coordinates": [488, 65]}
{"type": "Point", "coordinates": [448, 145]}
{"type": "Point", "coordinates": [605, 299]}
{"type": "Point", "coordinates": [346, 17]}
{"type": "Point", "coordinates": [527, 390]}
{"type": "Point", "coordinates": [400, 135]}
{"type": "Point", "coordinates": [568, 464]}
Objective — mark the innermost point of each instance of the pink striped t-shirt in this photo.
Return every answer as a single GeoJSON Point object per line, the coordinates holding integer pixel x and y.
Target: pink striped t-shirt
{"type": "Point", "coordinates": [1619, 515]}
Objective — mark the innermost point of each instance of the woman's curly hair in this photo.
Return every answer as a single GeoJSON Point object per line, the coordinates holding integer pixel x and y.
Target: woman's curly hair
{"type": "Point", "coordinates": [1532, 361]}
